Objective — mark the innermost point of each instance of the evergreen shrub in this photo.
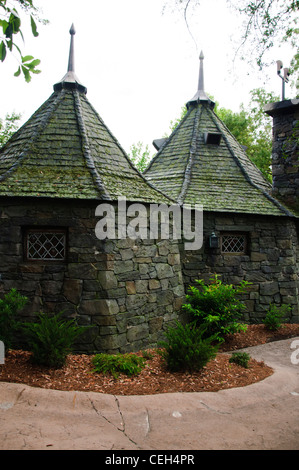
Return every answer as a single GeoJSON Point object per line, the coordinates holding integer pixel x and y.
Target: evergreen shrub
{"type": "Point", "coordinates": [186, 349]}
{"type": "Point", "coordinates": [10, 306]}
{"type": "Point", "coordinates": [129, 364]}
{"type": "Point", "coordinates": [240, 358]}
{"type": "Point", "coordinates": [217, 306]}
{"type": "Point", "coordinates": [275, 315]}
{"type": "Point", "coordinates": [51, 339]}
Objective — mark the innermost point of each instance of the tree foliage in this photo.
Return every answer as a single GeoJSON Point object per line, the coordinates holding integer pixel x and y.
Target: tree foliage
{"type": "Point", "coordinates": [253, 128]}
{"type": "Point", "coordinates": [140, 156]}
{"type": "Point", "coordinates": [8, 126]}
{"type": "Point", "coordinates": [266, 23]}
{"type": "Point", "coordinates": [11, 30]}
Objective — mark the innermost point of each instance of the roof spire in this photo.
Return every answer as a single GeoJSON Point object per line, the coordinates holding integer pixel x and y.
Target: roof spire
{"type": "Point", "coordinates": [70, 80]}
{"type": "Point", "coordinates": [200, 95]}
{"type": "Point", "coordinates": [201, 73]}
{"type": "Point", "coordinates": [71, 64]}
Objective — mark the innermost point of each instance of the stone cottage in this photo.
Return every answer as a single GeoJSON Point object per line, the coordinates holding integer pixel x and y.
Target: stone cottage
{"type": "Point", "coordinates": [250, 228]}
{"type": "Point", "coordinates": [54, 172]}
{"type": "Point", "coordinates": [64, 164]}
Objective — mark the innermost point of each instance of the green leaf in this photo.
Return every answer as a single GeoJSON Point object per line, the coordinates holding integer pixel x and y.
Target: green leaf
{"type": "Point", "coordinates": [18, 72]}
{"type": "Point", "coordinates": [33, 64]}
{"type": "Point", "coordinates": [2, 51]}
{"type": "Point", "coordinates": [15, 23]}
{"type": "Point", "coordinates": [26, 74]}
{"type": "Point", "coordinates": [27, 58]}
{"type": "Point", "coordinates": [33, 27]}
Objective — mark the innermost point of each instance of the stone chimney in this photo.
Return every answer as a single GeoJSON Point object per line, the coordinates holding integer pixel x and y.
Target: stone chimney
{"type": "Point", "coordinates": [285, 151]}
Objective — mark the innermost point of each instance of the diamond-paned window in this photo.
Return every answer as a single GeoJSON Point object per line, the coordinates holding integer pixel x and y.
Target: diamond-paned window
{"type": "Point", "coordinates": [45, 245]}
{"type": "Point", "coordinates": [234, 243]}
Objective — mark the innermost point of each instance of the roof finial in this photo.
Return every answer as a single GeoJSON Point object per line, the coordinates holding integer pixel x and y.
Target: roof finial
{"type": "Point", "coordinates": [200, 96]}
{"type": "Point", "coordinates": [201, 73]}
{"type": "Point", "coordinates": [71, 64]}
{"type": "Point", "coordinates": [70, 80]}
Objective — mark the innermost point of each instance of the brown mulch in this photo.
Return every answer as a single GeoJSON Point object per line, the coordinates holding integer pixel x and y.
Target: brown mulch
{"type": "Point", "coordinates": [216, 375]}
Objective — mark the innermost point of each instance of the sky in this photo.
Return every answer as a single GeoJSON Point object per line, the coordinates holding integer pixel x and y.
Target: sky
{"type": "Point", "coordinates": [138, 61]}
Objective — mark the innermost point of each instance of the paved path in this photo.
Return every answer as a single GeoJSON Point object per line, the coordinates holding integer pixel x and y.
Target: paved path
{"type": "Point", "coordinates": [260, 416]}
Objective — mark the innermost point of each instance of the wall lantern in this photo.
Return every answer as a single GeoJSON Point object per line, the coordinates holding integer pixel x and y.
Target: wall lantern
{"type": "Point", "coordinates": [213, 240]}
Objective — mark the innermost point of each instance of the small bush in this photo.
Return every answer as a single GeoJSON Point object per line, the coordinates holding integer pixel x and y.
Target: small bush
{"type": "Point", "coordinates": [186, 349]}
{"type": "Point", "coordinates": [10, 306]}
{"type": "Point", "coordinates": [240, 358]}
{"type": "Point", "coordinates": [274, 316]}
{"type": "Point", "coordinates": [217, 306]}
{"type": "Point", "coordinates": [129, 364]}
{"type": "Point", "coordinates": [51, 339]}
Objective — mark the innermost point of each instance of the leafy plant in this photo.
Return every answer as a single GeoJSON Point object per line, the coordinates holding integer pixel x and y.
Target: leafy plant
{"type": "Point", "coordinates": [274, 316]}
{"type": "Point", "coordinates": [10, 306]}
{"type": "Point", "coordinates": [51, 339]}
{"type": "Point", "coordinates": [240, 358]}
{"type": "Point", "coordinates": [186, 349]}
{"type": "Point", "coordinates": [11, 26]}
{"type": "Point", "coordinates": [217, 306]}
{"type": "Point", "coordinates": [129, 364]}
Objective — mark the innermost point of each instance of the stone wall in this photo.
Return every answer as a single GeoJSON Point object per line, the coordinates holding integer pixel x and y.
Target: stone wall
{"type": "Point", "coordinates": [285, 154]}
{"type": "Point", "coordinates": [270, 263]}
{"type": "Point", "coordinates": [127, 291]}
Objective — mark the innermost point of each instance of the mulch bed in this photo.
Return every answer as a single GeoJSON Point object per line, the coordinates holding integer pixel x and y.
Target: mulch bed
{"type": "Point", "coordinates": [218, 374]}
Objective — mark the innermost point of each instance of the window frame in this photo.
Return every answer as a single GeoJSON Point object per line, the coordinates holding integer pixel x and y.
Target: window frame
{"type": "Point", "coordinates": [235, 234]}
{"type": "Point", "coordinates": [46, 229]}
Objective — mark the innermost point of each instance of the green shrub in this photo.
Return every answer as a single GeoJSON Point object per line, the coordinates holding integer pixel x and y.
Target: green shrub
{"type": "Point", "coordinates": [51, 339]}
{"type": "Point", "coordinates": [217, 306]}
{"type": "Point", "coordinates": [186, 349]}
{"type": "Point", "coordinates": [274, 316]}
{"type": "Point", "coordinates": [129, 364]}
{"type": "Point", "coordinates": [10, 306]}
{"type": "Point", "coordinates": [240, 358]}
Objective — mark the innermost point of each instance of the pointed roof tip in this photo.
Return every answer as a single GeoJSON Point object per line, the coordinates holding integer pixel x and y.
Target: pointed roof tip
{"type": "Point", "coordinates": [70, 80]}
{"type": "Point", "coordinates": [200, 96]}
{"type": "Point", "coordinates": [72, 30]}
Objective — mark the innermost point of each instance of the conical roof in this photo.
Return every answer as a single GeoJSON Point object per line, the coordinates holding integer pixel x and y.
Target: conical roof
{"type": "Point", "coordinates": [202, 163]}
{"type": "Point", "coordinates": [65, 150]}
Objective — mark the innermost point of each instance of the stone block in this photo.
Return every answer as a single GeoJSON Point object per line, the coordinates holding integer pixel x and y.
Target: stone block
{"type": "Point", "coordinates": [164, 271]}
{"type": "Point", "coordinates": [155, 325]}
{"type": "Point", "coordinates": [72, 289]}
{"type": "Point", "coordinates": [173, 259]}
{"type": "Point", "coordinates": [127, 254]}
{"type": "Point", "coordinates": [107, 279]}
{"type": "Point", "coordinates": [255, 256]}
{"type": "Point", "coordinates": [154, 284]}
{"type": "Point", "coordinates": [121, 267]}
{"type": "Point", "coordinates": [99, 307]}
{"type": "Point", "coordinates": [146, 251]}
{"type": "Point", "coordinates": [130, 287]}
{"type": "Point", "coordinates": [110, 343]}
{"type": "Point", "coordinates": [137, 332]}
{"type": "Point", "coordinates": [141, 286]}
{"type": "Point", "coordinates": [269, 288]}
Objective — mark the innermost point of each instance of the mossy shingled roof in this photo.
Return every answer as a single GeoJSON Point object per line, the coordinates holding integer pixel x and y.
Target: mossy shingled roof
{"type": "Point", "coordinates": [65, 150]}
{"type": "Point", "coordinates": [220, 177]}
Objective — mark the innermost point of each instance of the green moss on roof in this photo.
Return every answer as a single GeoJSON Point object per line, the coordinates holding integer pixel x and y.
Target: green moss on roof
{"type": "Point", "coordinates": [220, 177]}
{"type": "Point", "coordinates": [66, 151]}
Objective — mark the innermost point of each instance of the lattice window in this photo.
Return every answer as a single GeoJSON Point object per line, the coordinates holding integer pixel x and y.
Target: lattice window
{"type": "Point", "coordinates": [45, 245]}
{"type": "Point", "coordinates": [234, 243]}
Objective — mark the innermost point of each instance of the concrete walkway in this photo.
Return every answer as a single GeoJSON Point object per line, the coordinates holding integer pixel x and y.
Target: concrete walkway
{"type": "Point", "coordinates": [261, 416]}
